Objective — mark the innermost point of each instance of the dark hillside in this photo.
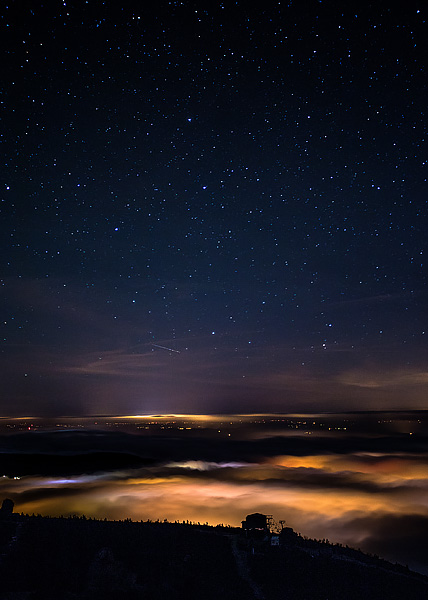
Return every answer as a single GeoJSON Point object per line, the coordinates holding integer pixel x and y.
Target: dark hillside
{"type": "Point", "coordinates": [79, 558]}
{"type": "Point", "coordinates": [300, 575]}
{"type": "Point", "coordinates": [83, 559]}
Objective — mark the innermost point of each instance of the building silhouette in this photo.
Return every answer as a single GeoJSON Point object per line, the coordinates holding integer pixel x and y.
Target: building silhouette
{"type": "Point", "coordinates": [256, 524]}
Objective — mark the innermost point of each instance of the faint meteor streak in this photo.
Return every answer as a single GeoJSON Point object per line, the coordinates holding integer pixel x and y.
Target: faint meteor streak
{"type": "Point", "coordinates": [165, 348]}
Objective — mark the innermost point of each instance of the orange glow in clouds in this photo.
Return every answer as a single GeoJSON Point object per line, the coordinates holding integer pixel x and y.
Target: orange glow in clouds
{"type": "Point", "coordinates": [282, 486]}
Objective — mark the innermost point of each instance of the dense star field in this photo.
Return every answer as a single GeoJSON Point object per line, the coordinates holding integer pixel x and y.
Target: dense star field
{"type": "Point", "coordinates": [213, 206]}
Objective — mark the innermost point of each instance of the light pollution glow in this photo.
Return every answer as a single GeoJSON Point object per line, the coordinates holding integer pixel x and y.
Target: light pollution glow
{"type": "Point", "coordinates": [181, 497]}
{"type": "Point", "coordinates": [341, 496]}
{"type": "Point", "coordinates": [122, 495]}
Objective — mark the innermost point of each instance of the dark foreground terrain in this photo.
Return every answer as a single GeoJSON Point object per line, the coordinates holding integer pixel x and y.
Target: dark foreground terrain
{"type": "Point", "coordinates": [78, 558]}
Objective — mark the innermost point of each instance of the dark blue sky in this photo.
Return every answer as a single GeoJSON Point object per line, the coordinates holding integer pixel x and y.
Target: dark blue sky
{"type": "Point", "coordinates": [246, 186]}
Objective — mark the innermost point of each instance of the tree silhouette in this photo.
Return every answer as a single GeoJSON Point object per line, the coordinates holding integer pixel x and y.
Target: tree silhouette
{"type": "Point", "coordinates": [7, 507]}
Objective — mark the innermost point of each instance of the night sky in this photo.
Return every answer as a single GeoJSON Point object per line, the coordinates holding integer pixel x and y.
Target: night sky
{"type": "Point", "coordinates": [209, 207]}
